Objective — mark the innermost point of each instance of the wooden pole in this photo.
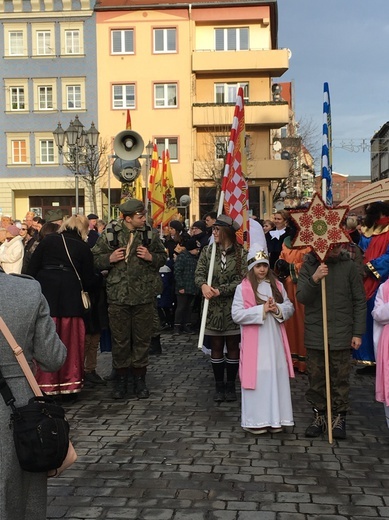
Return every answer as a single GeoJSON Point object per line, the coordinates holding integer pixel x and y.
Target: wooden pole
{"type": "Point", "coordinates": [326, 358]}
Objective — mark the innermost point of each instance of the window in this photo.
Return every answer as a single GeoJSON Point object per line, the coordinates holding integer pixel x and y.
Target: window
{"type": "Point", "coordinates": [122, 42]}
{"type": "Point", "coordinates": [72, 38]}
{"type": "Point", "coordinates": [168, 143]}
{"type": "Point", "coordinates": [221, 146]}
{"type": "Point", "coordinates": [16, 43]}
{"type": "Point", "coordinates": [123, 96]}
{"type": "Point", "coordinates": [17, 98]}
{"type": "Point", "coordinates": [207, 199]}
{"type": "Point", "coordinates": [73, 93]}
{"type": "Point", "coordinates": [46, 151]}
{"type": "Point", "coordinates": [165, 40]}
{"type": "Point", "coordinates": [73, 97]}
{"type": "Point", "coordinates": [165, 95]}
{"type": "Point", "coordinates": [232, 39]}
{"type": "Point", "coordinates": [19, 152]}
{"type": "Point", "coordinates": [72, 42]}
{"type": "Point", "coordinates": [45, 98]}
{"type": "Point", "coordinates": [227, 92]}
{"type": "Point", "coordinates": [15, 40]}
{"type": "Point", "coordinates": [43, 43]}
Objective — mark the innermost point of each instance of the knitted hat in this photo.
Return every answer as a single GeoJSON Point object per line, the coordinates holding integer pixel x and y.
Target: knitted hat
{"type": "Point", "coordinates": [257, 255]}
{"type": "Point", "coordinates": [199, 224]}
{"type": "Point", "coordinates": [176, 224]}
{"type": "Point", "coordinates": [225, 220]}
{"type": "Point", "coordinates": [191, 244]}
{"type": "Point", "coordinates": [13, 230]}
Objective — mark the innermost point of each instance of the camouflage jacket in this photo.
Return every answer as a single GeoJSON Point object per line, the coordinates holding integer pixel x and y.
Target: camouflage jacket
{"type": "Point", "coordinates": [136, 281]}
{"type": "Point", "coordinates": [219, 310]}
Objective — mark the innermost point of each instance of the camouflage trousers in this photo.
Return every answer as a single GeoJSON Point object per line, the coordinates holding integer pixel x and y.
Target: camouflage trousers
{"type": "Point", "coordinates": [340, 367]}
{"type": "Point", "coordinates": [131, 334]}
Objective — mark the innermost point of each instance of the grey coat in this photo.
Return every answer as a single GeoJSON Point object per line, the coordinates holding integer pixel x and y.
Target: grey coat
{"type": "Point", "coordinates": [23, 495]}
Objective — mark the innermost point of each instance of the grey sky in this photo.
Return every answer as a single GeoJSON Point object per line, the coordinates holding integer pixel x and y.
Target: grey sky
{"type": "Point", "coordinates": [343, 42]}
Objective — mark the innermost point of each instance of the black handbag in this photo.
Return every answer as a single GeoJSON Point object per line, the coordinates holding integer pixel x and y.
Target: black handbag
{"type": "Point", "coordinates": [41, 434]}
{"type": "Point", "coordinates": [40, 429]}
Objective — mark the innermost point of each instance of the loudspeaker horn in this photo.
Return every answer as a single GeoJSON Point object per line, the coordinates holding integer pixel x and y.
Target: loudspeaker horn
{"type": "Point", "coordinates": [128, 145]}
{"type": "Point", "coordinates": [126, 171]}
{"type": "Point", "coordinates": [185, 200]}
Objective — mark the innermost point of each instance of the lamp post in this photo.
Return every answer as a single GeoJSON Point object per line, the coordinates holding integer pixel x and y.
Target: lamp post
{"type": "Point", "coordinates": [80, 144]}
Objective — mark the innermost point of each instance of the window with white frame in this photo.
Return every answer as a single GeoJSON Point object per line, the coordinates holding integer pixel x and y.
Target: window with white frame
{"type": "Point", "coordinates": [72, 38]}
{"type": "Point", "coordinates": [16, 43]}
{"type": "Point", "coordinates": [165, 95]}
{"type": "Point", "coordinates": [43, 43]}
{"type": "Point", "coordinates": [19, 151]}
{"type": "Point", "coordinates": [15, 40]}
{"type": "Point", "coordinates": [73, 96]}
{"type": "Point", "coordinates": [73, 93]}
{"type": "Point", "coordinates": [43, 40]}
{"type": "Point", "coordinates": [165, 40]}
{"type": "Point", "coordinates": [46, 151]}
{"type": "Point", "coordinates": [17, 98]}
{"type": "Point", "coordinates": [227, 92]}
{"type": "Point", "coordinates": [168, 143]}
{"type": "Point", "coordinates": [45, 97]}
{"type": "Point", "coordinates": [72, 41]}
{"type": "Point", "coordinates": [123, 96]}
{"type": "Point", "coordinates": [232, 39]}
{"type": "Point", "coordinates": [122, 41]}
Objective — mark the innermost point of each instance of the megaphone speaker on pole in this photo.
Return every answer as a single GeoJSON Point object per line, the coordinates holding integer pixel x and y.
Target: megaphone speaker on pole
{"type": "Point", "coordinates": [128, 145]}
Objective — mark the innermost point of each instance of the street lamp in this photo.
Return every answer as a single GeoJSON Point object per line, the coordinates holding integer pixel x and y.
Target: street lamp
{"type": "Point", "coordinates": [80, 144]}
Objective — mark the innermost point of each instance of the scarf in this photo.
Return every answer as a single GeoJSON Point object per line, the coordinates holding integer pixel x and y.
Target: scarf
{"type": "Point", "coordinates": [249, 346]}
{"type": "Point", "coordinates": [382, 365]}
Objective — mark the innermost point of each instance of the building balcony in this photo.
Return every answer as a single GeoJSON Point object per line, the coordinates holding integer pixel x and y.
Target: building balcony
{"type": "Point", "coordinates": [269, 114]}
{"type": "Point", "coordinates": [263, 169]}
{"type": "Point", "coordinates": [273, 62]}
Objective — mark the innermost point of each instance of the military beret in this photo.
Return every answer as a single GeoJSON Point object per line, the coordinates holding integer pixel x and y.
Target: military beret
{"type": "Point", "coordinates": [92, 216]}
{"type": "Point", "coordinates": [132, 206]}
{"type": "Point", "coordinates": [53, 215]}
{"type": "Point", "coordinates": [225, 220]}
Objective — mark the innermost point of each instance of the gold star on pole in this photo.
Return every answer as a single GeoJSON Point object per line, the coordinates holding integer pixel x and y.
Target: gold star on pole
{"type": "Point", "coordinates": [320, 227]}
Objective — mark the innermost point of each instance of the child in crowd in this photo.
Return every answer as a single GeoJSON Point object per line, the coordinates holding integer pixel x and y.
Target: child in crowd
{"type": "Point", "coordinates": [260, 307]}
{"type": "Point", "coordinates": [184, 275]}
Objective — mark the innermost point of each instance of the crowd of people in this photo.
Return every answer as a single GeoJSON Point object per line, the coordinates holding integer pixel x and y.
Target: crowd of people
{"type": "Point", "coordinates": [265, 305]}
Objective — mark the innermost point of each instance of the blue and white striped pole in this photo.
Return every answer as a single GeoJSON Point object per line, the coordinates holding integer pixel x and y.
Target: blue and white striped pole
{"type": "Point", "coordinates": [326, 153]}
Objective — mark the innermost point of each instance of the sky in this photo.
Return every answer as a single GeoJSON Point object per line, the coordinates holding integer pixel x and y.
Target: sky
{"type": "Point", "coordinates": [344, 43]}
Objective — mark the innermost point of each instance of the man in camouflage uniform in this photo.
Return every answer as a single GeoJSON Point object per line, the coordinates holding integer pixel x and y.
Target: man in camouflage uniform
{"type": "Point", "coordinates": [132, 254]}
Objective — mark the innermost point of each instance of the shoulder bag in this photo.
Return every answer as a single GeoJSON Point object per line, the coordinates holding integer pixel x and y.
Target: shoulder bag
{"type": "Point", "coordinates": [40, 429]}
{"type": "Point", "coordinates": [84, 295]}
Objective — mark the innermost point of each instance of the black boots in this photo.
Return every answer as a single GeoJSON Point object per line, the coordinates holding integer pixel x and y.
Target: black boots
{"type": "Point", "coordinates": [219, 394]}
{"type": "Point", "coordinates": [339, 426]}
{"type": "Point", "coordinates": [140, 388]}
{"type": "Point", "coordinates": [120, 390]}
{"type": "Point", "coordinates": [155, 346]}
{"type": "Point", "coordinates": [230, 391]}
{"type": "Point", "coordinates": [318, 426]}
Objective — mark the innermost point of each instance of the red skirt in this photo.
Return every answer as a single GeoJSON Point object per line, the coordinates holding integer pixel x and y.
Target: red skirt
{"type": "Point", "coordinates": [69, 378]}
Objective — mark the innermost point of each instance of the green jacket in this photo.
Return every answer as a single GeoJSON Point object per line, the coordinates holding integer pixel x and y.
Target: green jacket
{"type": "Point", "coordinates": [345, 298]}
{"type": "Point", "coordinates": [219, 310]}
{"type": "Point", "coordinates": [136, 281]}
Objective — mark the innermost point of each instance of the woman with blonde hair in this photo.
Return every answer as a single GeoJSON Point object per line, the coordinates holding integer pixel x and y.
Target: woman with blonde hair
{"type": "Point", "coordinates": [53, 264]}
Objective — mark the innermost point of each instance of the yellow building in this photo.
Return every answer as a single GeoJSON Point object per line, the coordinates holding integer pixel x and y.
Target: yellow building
{"type": "Point", "coordinates": [177, 68]}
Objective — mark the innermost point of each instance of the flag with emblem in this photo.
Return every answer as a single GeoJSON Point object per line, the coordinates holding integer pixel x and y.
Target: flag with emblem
{"type": "Point", "coordinates": [234, 183]}
{"type": "Point", "coordinates": [169, 193]}
{"type": "Point", "coordinates": [156, 189]}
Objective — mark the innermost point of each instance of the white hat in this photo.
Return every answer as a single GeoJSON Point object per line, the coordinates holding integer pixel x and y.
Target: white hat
{"type": "Point", "coordinates": [257, 255]}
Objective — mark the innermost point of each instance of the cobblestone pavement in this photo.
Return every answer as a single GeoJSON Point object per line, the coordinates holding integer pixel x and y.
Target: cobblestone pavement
{"type": "Point", "coordinates": [178, 455]}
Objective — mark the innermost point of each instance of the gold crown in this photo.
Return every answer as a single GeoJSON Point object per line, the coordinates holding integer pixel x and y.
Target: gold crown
{"type": "Point", "coordinates": [259, 255]}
